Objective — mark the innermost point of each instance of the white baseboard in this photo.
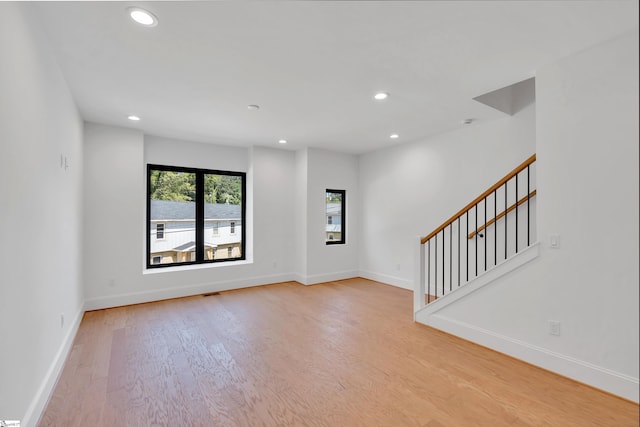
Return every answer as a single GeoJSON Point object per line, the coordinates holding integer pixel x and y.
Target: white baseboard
{"type": "Point", "coordinates": [578, 370]}
{"type": "Point", "coordinates": [40, 400]}
{"type": "Point", "coordinates": [323, 278]}
{"type": "Point", "coordinates": [183, 291]}
{"type": "Point", "coordinates": [386, 279]}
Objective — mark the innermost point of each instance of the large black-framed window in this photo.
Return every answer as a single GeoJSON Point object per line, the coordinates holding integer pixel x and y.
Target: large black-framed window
{"type": "Point", "coordinates": [335, 217]}
{"type": "Point", "coordinates": [202, 213]}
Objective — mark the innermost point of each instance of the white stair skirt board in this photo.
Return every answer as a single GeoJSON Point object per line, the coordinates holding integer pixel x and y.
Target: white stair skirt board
{"type": "Point", "coordinates": [516, 261]}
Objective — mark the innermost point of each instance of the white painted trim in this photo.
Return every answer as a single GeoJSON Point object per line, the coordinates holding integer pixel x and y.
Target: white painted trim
{"type": "Point", "coordinates": [330, 277]}
{"type": "Point", "coordinates": [579, 370]}
{"type": "Point", "coordinates": [513, 263]}
{"type": "Point", "coordinates": [183, 291]}
{"type": "Point", "coordinates": [300, 278]}
{"type": "Point", "coordinates": [40, 400]}
{"type": "Point", "coordinates": [207, 265]}
{"type": "Point", "coordinates": [386, 279]}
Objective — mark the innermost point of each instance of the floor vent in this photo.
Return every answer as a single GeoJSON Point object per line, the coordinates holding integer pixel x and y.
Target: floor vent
{"type": "Point", "coordinates": [211, 294]}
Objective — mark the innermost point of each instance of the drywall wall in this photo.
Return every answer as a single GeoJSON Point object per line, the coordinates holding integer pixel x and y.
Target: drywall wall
{"type": "Point", "coordinates": [273, 211]}
{"type": "Point", "coordinates": [587, 144]}
{"type": "Point", "coordinates": [115, 272]}
{"type": "Point", "coordinates": [300, 200]}
{"type": "Point", "coordinates": [409, 190]}
{"type": "Point", "coordinates": [40, 216]}
{"type": "Point", "coordinates": [316, 171]}
{"type": "Point", "coordinates": [113, 210]}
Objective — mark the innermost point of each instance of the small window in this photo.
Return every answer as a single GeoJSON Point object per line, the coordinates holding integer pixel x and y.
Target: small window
{"type": "Point", "coordinates": [159, 232]}
{"type": "Point", "coordinates": [156, 260]}
{"type": "Point", "coordinates": [233, 227]}
{"type": "Point", "coordinates": [229, 252]}
{"type": "Point", "coordinates": [216, 230]}
{"type": "Point", "coordinates": [335, 229]}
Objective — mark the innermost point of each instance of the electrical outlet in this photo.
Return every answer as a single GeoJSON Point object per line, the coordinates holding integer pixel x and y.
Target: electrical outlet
{"type": "Point", "coordinates": [554, 327]}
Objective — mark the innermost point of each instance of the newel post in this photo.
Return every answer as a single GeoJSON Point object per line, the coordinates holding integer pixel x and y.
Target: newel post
{"type": "Point", "coordinates": [418, 279]}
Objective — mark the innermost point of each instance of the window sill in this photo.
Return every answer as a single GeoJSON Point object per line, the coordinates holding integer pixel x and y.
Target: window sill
{"type": "Point", "coordinates": [195, 267]}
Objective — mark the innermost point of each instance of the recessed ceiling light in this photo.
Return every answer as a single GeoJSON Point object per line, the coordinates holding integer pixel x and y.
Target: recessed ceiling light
{"type": "Point", "coordinates": [282, 141]}
{"type": "Point", "coordinates": [394, 136]}
{"type": "Point", "coordinates": [134, 118]}
{"type": "Point", "coordinates": [380, 96]}
{"type": "Point", "coordinates": [143, 17]}
{"type": "Point", "coordinates": [467, 121]}
{"type": "Point", "coordinates": [253, 107]}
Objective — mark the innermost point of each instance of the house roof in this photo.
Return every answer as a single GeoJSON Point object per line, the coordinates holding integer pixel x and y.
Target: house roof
{"type": "Point", "coordinates": [169, 210]}
{"type": "Point", "coordinates": [191, 246]}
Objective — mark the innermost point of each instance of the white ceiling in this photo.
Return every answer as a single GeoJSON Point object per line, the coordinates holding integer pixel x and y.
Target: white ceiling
{"type": "Point", "coordinates": [313, 67]}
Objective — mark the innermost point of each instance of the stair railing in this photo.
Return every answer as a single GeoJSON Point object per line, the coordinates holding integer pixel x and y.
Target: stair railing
{"type": "Point", "coordinates": [486, 232]}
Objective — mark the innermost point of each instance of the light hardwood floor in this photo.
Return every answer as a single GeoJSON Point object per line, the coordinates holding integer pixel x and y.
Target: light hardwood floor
{"type": "Point", "coordinates": [344, 353]}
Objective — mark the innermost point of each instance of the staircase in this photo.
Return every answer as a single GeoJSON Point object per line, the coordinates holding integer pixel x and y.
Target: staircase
{"type": "Point", "coordinates": [478, 241]}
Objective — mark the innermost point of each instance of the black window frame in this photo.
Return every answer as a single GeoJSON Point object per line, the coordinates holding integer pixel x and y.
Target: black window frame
{"type": "Point", "coordinates": [199, 215]}
{"type": "Point", "coordinates": [343, 217]}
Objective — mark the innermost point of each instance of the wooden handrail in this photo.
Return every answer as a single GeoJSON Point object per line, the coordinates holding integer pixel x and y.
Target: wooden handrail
{"type": "Point", "coordinates": [525, 199]}
{"type": "Point", "coordinates": [491, 189]}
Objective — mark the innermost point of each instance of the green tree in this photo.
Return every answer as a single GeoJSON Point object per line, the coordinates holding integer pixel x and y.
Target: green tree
{"type": "Point", "coordinates": [223, 189]}
{"type": "Point", "coordinates": [174, 186]}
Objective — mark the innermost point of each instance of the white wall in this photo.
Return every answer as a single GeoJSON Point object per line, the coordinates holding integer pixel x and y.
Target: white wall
{"type": "Point", "coordinates": [300, 201]}
{"type": "Point", "coordinates": [273, 211]}
{"type": "Point", "coordinates": [113, 211]}
{"type": "Point", "coordinates": [317, 171]}
{"type": "Point", "coordinates": [409, 190]}
{"type": "Point", "coordinates": [587, 127]}
{"type": "Point", "coordinates": [115, 272]}
{"type": "Point", "coordinates": [40, 216]}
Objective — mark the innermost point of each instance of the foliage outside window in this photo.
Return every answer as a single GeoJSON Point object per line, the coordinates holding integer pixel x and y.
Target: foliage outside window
{"type": "Point", "coordinates": [335, 230]}
{"type": "Point", "coordinates": [191, 213]}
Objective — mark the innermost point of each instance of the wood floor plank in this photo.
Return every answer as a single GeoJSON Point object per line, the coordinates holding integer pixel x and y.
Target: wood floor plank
{"type": "Point", "coordinates": [344, 353]}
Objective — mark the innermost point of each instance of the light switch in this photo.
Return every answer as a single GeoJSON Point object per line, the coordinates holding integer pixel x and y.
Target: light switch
{"type": "Point", "coordinates": [554, 241]}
